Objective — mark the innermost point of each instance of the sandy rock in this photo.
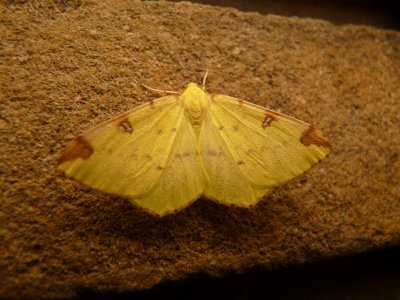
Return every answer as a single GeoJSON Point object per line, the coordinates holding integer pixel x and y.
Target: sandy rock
{"type": "Point", "coordinates": [64, 69]}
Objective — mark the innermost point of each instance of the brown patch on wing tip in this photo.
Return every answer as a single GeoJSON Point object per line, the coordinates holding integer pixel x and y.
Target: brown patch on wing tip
{"type": "Point", "coordinates": [241, 102]}
{"type": "Point", "coordinates": [269, 117]}
{"type": "Point", "coordinates": [312, 136]}
{"type": "Point", "coordinates": [78, 148]}
{"type": "Point", "coordinates": [151, 103]}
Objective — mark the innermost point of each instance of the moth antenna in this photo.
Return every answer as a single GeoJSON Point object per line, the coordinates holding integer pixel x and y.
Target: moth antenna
{"type": "Point", "coordinates": [204, 80]}
{"type": "Point", "coordinates": [158, 90]}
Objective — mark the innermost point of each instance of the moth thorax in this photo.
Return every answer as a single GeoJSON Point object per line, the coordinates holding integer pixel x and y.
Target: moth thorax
{"type": "Point", "coordinates": [195, 101]}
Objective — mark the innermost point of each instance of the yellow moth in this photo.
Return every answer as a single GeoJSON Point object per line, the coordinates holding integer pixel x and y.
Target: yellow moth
{"type": "Point", "coordinates": [166, 153]}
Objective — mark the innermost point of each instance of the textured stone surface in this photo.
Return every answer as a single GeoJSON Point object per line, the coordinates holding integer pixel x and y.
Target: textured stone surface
{"type": "Point", "coordinates": [65, 68]}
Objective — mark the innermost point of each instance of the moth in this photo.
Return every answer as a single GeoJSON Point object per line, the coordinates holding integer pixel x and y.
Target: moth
{"type": "Point", "coordinates": [165, 154]}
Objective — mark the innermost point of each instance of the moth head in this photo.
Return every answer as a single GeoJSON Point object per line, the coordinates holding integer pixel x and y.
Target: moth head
{"type": "Point", "coordinates": [195, 101]}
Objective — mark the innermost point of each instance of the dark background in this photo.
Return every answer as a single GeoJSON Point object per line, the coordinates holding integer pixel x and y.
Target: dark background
{"type": "Point", "coordinates": [372, 275]}
{"type": "Point", "coordinates": [381, 14]}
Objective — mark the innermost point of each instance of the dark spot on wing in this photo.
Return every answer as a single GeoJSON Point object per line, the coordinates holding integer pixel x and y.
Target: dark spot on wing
{"type": "Point", "coordinates": [151, 103]}
{"type": "Point", "coordinates": [212, 153]}
{"type": "Point", "coordinates": [220, 127]}
{"type": "Point", "coordinates": [240, 162]}
{"type": "Point", "coordinates": [78, 148]}
{"type": "Point", "coordinates": [127, 126]}
{"type": "Point", "coordinates": [269, 117]}
{"type": "Point", "coordinates": [267, 122]}
{"type": "Point", "coordinates": [123, 121]}
{"type": "Point", "coordinates": [250, 151]}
